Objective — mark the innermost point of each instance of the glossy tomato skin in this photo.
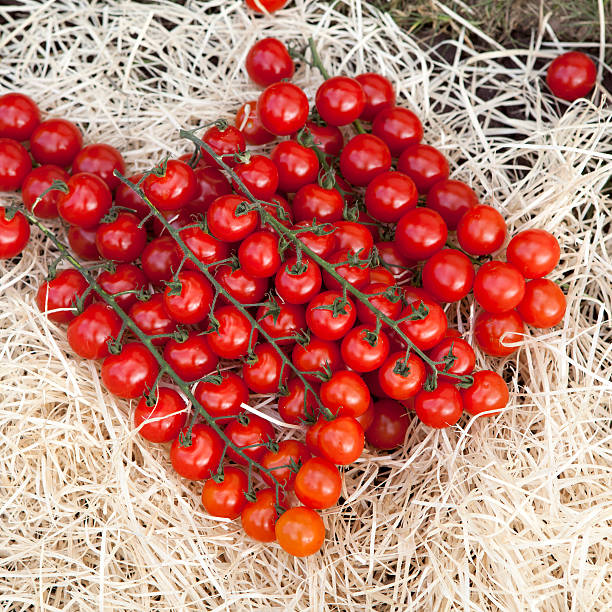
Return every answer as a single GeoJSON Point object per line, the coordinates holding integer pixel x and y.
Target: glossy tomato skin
{"type": "Point", "coordinates": [269, 5]}
{"type": "Point", "coordinates": [206, 248]}
{"type": "Point", "coordinates": [19, 116]}
{"type": "Point", "coordinates": [341, 441]}
{"type": "Point", "coordinates": [152, 318]}
{"type": "Point", "coordinates": [340, 100]}
{"type": "Point", "coordinates": [425, 165]}
{"type": "Point", "coordinates": [322, 245]}
{"type": "Point", "coordinates": [345, 394]}
{"type": "Point", "coordinates": [234, 336]}
{"type": "Point", "coordinates": [462, 352]}
{"type": "Point", "coordinates": [247, 121]}
{"type": "Point", "coordinates": [313, 201]}
{"type": "Point", "coordinates": [267, 373]}
{"type": "Point", "coordinates": [390, 195]}
{"type": "Point", "coordinates": [15, 164]}
{"type": "Point", "coordinates": [259, 175]}
{"type": "Point", "coordinates": [102, 160]}
{"type": "Point", "coordinates": [258, 254]}
{"type": "Point", "coordinates": [293, 408]}
{"type": "Point", "coordinates": [363, 158]}
{"type": "Point", "coordinates": [315, 356]}
{"type": "Point", "coordinates": [300, 531]}
{"type": "Point", "coordinates": [268, 62]}
{"type": "Point", "coordinates": [420, 233]}
{"type": "Point", "coordinates": [379, 94]}
{"type": "Point", "coordinates": [389, 306]}
{"type": "Point", "coordinates": [298, 284]}
{"type": "Point", "coordinates": [543, 305]}
{"type": "Point", "coordinates": [451, 199]}
{"type": "Point", "coordinates": [192, 302]}
{"type": "Point", "coordinates": [227, 498]}
{"type": "Point", "coordinates": [318, 483]}
{"type": "Point", "coordinates": [400, 386]}
{"type": "Point", "coordinates": [357, 352]}
{"type": "Point", "coordinates": [169, 408]}
{"type": "Point", "coordinates": [254, 433]}
{"type": "Point", "coordinates": [259, 517]}
{"type": "Point", "coordinates": [223, 401]}
{"type": "Point", "coordinates": [439, 408]}
{"type": "Point", "coordinates": [489, 394]}
{"type": "Point", "coordinates": [83, 242]}
{"type": "Point", "coordinates": [225, 143]}
{"type": "Point", "coordinates": [289, 321]}
{"type": "Point", "coordinates": [87, 201]}
{"type": "Point", "coordinates": [328, 138]}
{"type": "Point", "coordinates": [130, 373]}
{"type": "Point", "coordinates": [481, 230]}
{"type": "Point", "coordinates": [534, 252]}
{"type": "Point", "coordinates": [323, 322]}
{"type": "Point", "coordinates": [241, 286]}
{"type": "Point", "coordinates": [282, 108]}
{"type": "Point", "coordinates": [191, 359]}
{"type": "Point", "coordinates": [175, 188]}
{"type": "Point", "coordinates": [297, 165]}
{"type": "Point", "coordinates": [211, 184]}
{"type": "Point", "coordinates": [89, 332]}
{"type": "Point", "coordinates": [37, 181]}
{"type": "Point", "coordinates": [126, 277]}
{"type": "Point", "coordinates": [498, 286]}
{"type": "Point", "coordinates": [126, 196]}
{"type": "Point", "coordinates": [353, 237]}
{"type": "Point", "coordinates": [121, 240]}
{"type": "Point", "coordinates": [312, 436]}
{"type": "Point", "coordinates": [61, 292]}
{"type": "Point", "coordinates": [14, 234]}
{"type": "Point", "coordinates": [571, 76]}
{"type": "Point", "coordinates": [427, 332]}
{"type": "Point", "coordinates": [380, 275]}
{"type": "Point", "coordinates": [225, 224]}
{"type": "Point", "coordinates": [279, 462]}
{"type": "Point", "coordinates": [357, 275]}
{"type": "Point", "coordinates": [448, 275]}
{"type": "Point", "coordinates": [392, 258]}
{"type": "Point", "coordinates": [160, 259]}
{"type": "Point", "coordinates": [399, 128]}
{"type": "Point", "coordinates": [201, 458]}
{"type": "Point", "coordinates": [56, 141]}
{"type": "Point", "coordinates": [490, 327]}
{"type": "Point", "coordinates": [389, 425]}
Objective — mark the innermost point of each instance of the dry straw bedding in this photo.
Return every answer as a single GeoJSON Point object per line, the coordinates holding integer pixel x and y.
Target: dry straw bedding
{"type": "Point", "coordinates": [505, 513]}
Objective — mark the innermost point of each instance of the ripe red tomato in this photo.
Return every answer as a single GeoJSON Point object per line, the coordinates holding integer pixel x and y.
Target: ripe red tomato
{"type": "Point", "coordinates": [234, 336]}
{"type": "Point", "coordinates": [268, 61]}
{"type": "Point", "coordinates": [420, 233]}
{"type": "Point", "coordinates": [175, 188]}
{"type": "Point", "coordinates": [490, 330]}
{"type": "Point", "coordinates": [282, 108]}
{"type": "Point", "coordinates": [399, 128]}
{"type": "Point", "coordinates": [259, 175]}
{"type": "Point", "coordinates": [312, 436]}
{"type": "Point", "coordinates": [225, 224]}
{"type": "Point", "coordinates": [543, 304]}
{"type": "Point", "coordinates": [425, 165]}
{"type": "Point", "coordinates": [390, 195]}
{"type": "Point", "coordinates": [152, 318]}
{"type": "Point", "coordinates": [60, 295]}
{"type": "Point", "coordinates": [322, 244]}
{"type": "Point", "coordinates": [451, 199]}
{"type": "Point", "coordinates": [329, 315]}
{"type": "Point", "coordinates": [315, 357]}
{"type": "Point", "coordinates": [363, 158]}
{"type": "Point", "coordinates": [340, 100]}
{"type": "Point", "coordinates": [354, 237]}
{"type": "Point", "coordinates": [425, 333]}
{"type": "Point", "coordinates": [19, 116]}
{"type": "Point", "coordinates": [37, 181]}
{"type": "Point", "coordinates": [534, 252]}
{"type": "Point", "coordinates": [222, 400]}
{"type": "Point", "coordinates": [393, 259]}
{"type": "Point", "coordinates": [15, 164]}
{"type": "Point", "coordinates": [164, 421]}
{"type": "Point", "coordinates": [259, 517]}
{"type": "Point", "coordinates": [399, 378]}
{"type": "Point", "coordinates": [267, 373]}
{"type": "Point", "coordinates": [160, 259]}
{"type": "Point", "coordinates": [357, 275]}
{"type": "Point", "coordinates": [200, 460]}
{"type": "Point", "coordinates": [300, 531]}
{"type": "Point", "coordinates": [250, 434]}
{"type": "Point", "coordinates": [126, 196]}
{"type": "Point", "coordinates": [102, 160]}
{"type": "Point", "coordinates": [463, 357]}
{"type": "Point", "coordinates": [341, 441]}
{"type": "Point", "coordinates": [389, 425]}
{"type": "Point", "coordinates": [226, 497]}
{"type": "Point", "coordinates": [56, 141]}
{"type": "Point", "coordinates": [297, 166]}
{"type": "Point", "coordinates": [211, 184]}
{"type": "Point", "coordinates": [87, 201]}
{"type": "Point", "coordinates": [448, 275]}
{"type": "Point", "coordinates": [89, 332]}
{"type": "Point", "coordinates": [190, 302]}
{"type": "Point", "coordinates": [439, 408]}
{"type": "Point", "coordinates": [489, 394]}
{"type": "Point", "coordinates": [357, 352]}
{"type": "Point", "coordinates": [381, 275]}
{"type": "Point", "coordinates": [294, 408]}
{"type": "Point", "coordinates": [14, 234]}
{"type": "Point", "coordinates": [283, 322]}
{"type": "Point", "coordinates": [83, 242]}
{"type": "Point", "coordinates": [365, 419]}
{"type": "Point", "coordinates": [225, 143]}
{"type": "Point", "coordinates": [247, 121]}
{"type": "Point", "coordinates": [206, 248]}
{"type": "Point", "coordinates": [345, 394]}
{"type": "Point", "coordinates": [279, 208]}
{"type": "Point", "coordinates": [318, 483]}
{"type": "Point", "coordinates": [391, 307]}
{"type": "Point", "coordinates": [126, 277]}
{"type": "Point", "coordinates": [240, 285]}
{"type": "Point", "coordinates": [481, 230]}
{"type": "Point", "coordinates": [571, 75]}
{"type": "Point", "coordinates": [284, 463]}
{"type": "Point", "coordinates": [328, 138]}
{"type": "Point", "coordinates": [191, 359]}
{"type": "Point", "coordinates": [379, 94]}
{"type": "Point", "coordinates": [122, 239]}
{"type": "Point", "coordinates": [259, 256]}
{"type": "Point", "coordinates": [130, 373]}
{"type": "Point", "coordinates": [298, 283]}
{"type": "Point", "coordinates": [498, 286]}
{"type": "Point", "coordinates": [266, 6]}
{"type": "Point", "coordinates": [313, 201]}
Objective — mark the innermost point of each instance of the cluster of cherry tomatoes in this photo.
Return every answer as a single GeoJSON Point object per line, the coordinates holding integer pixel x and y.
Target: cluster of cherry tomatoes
{"type": "Point", "coordinates": [317, 273]}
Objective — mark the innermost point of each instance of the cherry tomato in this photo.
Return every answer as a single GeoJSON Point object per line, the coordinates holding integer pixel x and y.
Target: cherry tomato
{"type": "Point", "coordinates": [354, 237]}
{"type": "Point", "coordinates": [280, 462]}
{"type": "Point", "coordinates": [60, 295]}
{"type": "Point", "coordinates": [223, 400]}
{"type": "Point", "coordinates": [341, 441]}
{"type": "Point", "coordinates": [189, 301]}
{"type": "Point", "coordinates": [234, 336]}
{"type": "Point", "coordinates": [329, 315]}
{"type": "Point", "coordinates": [298, 283]}
{"type": "Point", "coordinates": [498, 286]}
{"type": "Point", "coordinates": [247, 121]}
{"type": "Point", "coordinates": [451, 199]}
{"type": "Point", "coordinates": [258, 255]}
{"type": "Point", "coordinates": [267, 373]}
{"type": "Point", "coordinates": [266, 6]}
{"type": "Point", "coordinates": [130, 373]}
{"type": "Point", "coordinates": [363, 158]}
{"type": "Point", "coordinates": [345, 394]}
{"type": "Point", "coordinates": [250, 433]}
{"type": "Point", "coordinates": [279, 208]}
{"type": "Point", "coordinates": [425, 165]}
{"type": "Point", "coordinates": [160, 259]}
{"type": "Point", "coordinates": [152, 318]}
{"type": "Point", "coordinates": [439, 408]}
{"type": "Point", "coordinates": [357, 351]}
{"type": "Point", "coordinates": [14, 234]}
{"type": "Point", "coordinates": [318, 483]}
{"type": "Point", "coordinates": [448, 275]}
{"type": "Point", "coordinates": [534, 252]}
{"type": "Point", "coordinates": [259, 517]}
{"type": "Point", "coordinates": [420, 233]}
{"type": "Point", "coordinates": [282, 322]}
{"type": "Point", "coordinates": [101, 160]}
{"type": "Point", "coordinates": [380, 275]}
{"type": "Point", "coordinates": [174, 188]}
{"type": "Point", "coordinates": [37, 181]}
{"type": "Point", "coordinates": [126, 277]}
{"type": "Point", "coordinates": [83, 242]}
{"type": "Point", "coordinates": [122, 239]}
{"type": "Point", "coordinates": [365, 419]}
{"type": "Point", "coordinates": [340, 100]}
{"type": "Point", "coordinates": [316, 357]}
{"type": "Point", "coordinates": [321, 243]}
{"type": "Point", "coordinates": [543, 304]}
{"type": "Point", "coordinates": [393, 259]}
{"type": "Point", "coordinates": [300, 531]}
{"type": "Point", "coordinates": [293, 407]}
{"type": "Point", "coordinates": [88, 199]}
{"type": "Point", "coordinates": [164, 421]}
{"type": "Point", "coordinates": [240, 285]}
{"type": "Point", "coordinates": [297, 166]}
{"type": "Point", "coordinates": [379, 94]}
{"type": "Point", "coordinates": [462, 358]}
{"type": "Point", "coordinates": [224, 222]}
{"type": "Point", "coordinates": [489, 394]}
{"type": "Point", "coordinates": [328, 138]}
{"type": "Point", "coordinates": [226, 497]}
{"type": "Point", "coordinates": [315, 202]}
{"type": "Point", "coordinates": [259, 175]}
{"type": "Point", "coordinates": [191, 359]}
{"type": "Point", "coordinates": [398, 127]}
{"type": "Point", "coordinates": [312, 436]}
{"type": "Point", "coordinates": [126, 196]}
{"type": "Point", "coordinates": [268, 61]}
{"type": "Point", "coordinates": [481, 230]}
{"type": "Point", "coordinates": [15, 164]}
{"type": "Point", "coordinates": [389, 425]}
{"type": "Point", "coordinates": [390, 195]}
{"type": "Point", "coordinates": [56, 141]}
{"type": "Point", "coordinates": [282, 108]}
{"type": "Point", "coordinates": [19, 116]}
{"type": "Point", "coordinates": [206, 248]}
{"type": "Point", "coordinates": [200, 459]}
{"type": "Point", "coordinates": [355, 274]}
{"type": "Point", "coordinates": [399, 378]}
{"type": "Point", "coordinates": [225, 143]}
{"type": "Point", "coordinates": [571, 75]}
{"type": "Point", "coordinates": [491, 330]}
{"type": "Point", "coordinates": [425, 333]}
{"type": "Point", "coordinates": [384, 298]}
{"type": "Point", "coordinates": [89, 332]}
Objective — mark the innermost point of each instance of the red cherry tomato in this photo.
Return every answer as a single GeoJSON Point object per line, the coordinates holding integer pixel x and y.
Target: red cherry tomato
{"type": "Point", "coordinates": [420, 233]}
{"type": "Point", "coordinates": [175, 188]}
{"type": "Point", "coordinates": [211, 184]}
{"type": "Point", "coordinates": [37, 181]}
{"type": "Point", "coordinates": [448, 275]}
{"type": "Point", "coordinates": [268, 61]}
{"type": "Point", "coordinates": [389, 425]}
{"type": "Point", "coordinates": [384, 298]}
{"type": "Point", "coordinates": [571, 75]}
{"type": "Point", "coordinates": [328, 138]}
{"type": "Point", "coordinates": [316, 357]}
{"type": "Point", "coordinates": [399, 128]}
{"type": "Point", "coordinates": [126, 196]}
{"type": "Point", "coordinates": [298, 283]}
{"type": "Point", "coordinates": [14, 234]}
{"type": "Point", "coordinates": [279, 208]}
{"type": "Point", "coordinates": [234, 336]}
{"type": "Point", "coordinates": [189, 302]}
{"type": "Point", "coordinates": [297, 166]}
{"type": "Point", "coordinates": [226, 497]}
{"type": "Point", "coordinates": [393, 259]}
{"type": "Point", "coordinates": [493, 332]}
{"type": "Point", "coordinates": [498, 286]}
{"type": "Point", "coordinates": [399, 378]}
{"type": "Point", "coordinates": [160, 259]}
{"type": "Point", "coordinates": [200, 459]}
{"type": "Point", "coordinates": [312, 436]}
{"type": "Point", "coordinates": [283, 322]}
{"type": "Point", "coordinates": [321, 243]}
{"type": "Point", "coordinates": [451, 199]}
{"type": "Point", "coordinates": [354, 237]}
{"type": "Point", "coordinates": [460, 356]}
{"type": "Point", "coordinates": [223, 400]}
{"type": "Point", "coordinates": [163, 421]}
{"type": "Point", "coordinates": [247, 121]}
{"type": "Point", "coordinates": [439, 408]}
{"type": "Point", "coordinates": [122, 239]}
{"type": "Point", "coordinates": [426, 332]}
{"type": "Point", "coordinates": [56, 141]}
{"type": "Point", "coordinates": [535, 253]}
{"type": "Point", "coordinates": [290, 453]}
{"type": "Point", "coordinates": [425, 165]}
{"type": "Point", "coordinates": [357, 351]}
{"type": "Point", "coordinates": [240, 285]}
{"type": "Point", "coordinates": [318, 483]}
{"type": "Point", "coordinates": [329, 315]}
{"type": "Point", "coordinates": [267, 373]}
{"type": "Point", "coordinates": [205, 247]}
{"type": "Point", "coordinates": [341, 441]}
{"type": "Point", "coordinates": [543, 304]}
{"type": "Point", "coordinates": [315, 202]}
{"type": "Point", "coordinates": [266, 6]}
{"type": "Point", "coordinates": [259, 256]}
{"type": "Point", "coordinates": [130, 373]}
{"type": "Point", "coordinates": [379, 94]}
{"type": "Point", "coordinates": [191, 359]}
{"type": "Point", "coordinates": [83, 242]}
{"type": "Point", "coordinates": [225, 224]}
{"type": "Point", "coordinates": [300, 531]}
{"type": "Point", "coordinates": [390, 195]}
{"type": "Point", "coordinates": [19, 116]}
{"type": "Point", "coordinates": [259, 517]}
{"type": "Point", "coordinates": [381, 275]}
{"type": "Point", "coordinates": [363, 158]}
{"type": "Point", "coordinates": [481, 231]}
{"type": "Point", "coordinates": [294, 408]}
{"type": "Point", "coordinates": [225, 143]}
{"type": "Point", "coordinates": [357, 275]}
{"type": "Point", "coordinates": [15, 164]}
{"type": "Point", "coordinates": [126, 277]}
{"type": "Point", "coordinates": [89, 332]}
{"type": "Point", "coordinates": [250, 434]}
{"type": "Point", "coordinates": [60, 295]}
{"type": "Point", "coordinates": [489, 394]}
{"type": "Point", "coordinates": [345, 394]}
{"type": "Point", "coordinates": [282, 108]}
{"type": "Point", "coordinates": [101, 160]}
{"type": "Point", "coordinates": [87, 201]}
{"type": "Point", "coordinates": [152, 318]}
{"type": "Point", "coordinates": [259, 175]}
{"type": "Point", "coordinates": [365, 419]}
{"type": "Point", "coordinates": [340, 100]}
